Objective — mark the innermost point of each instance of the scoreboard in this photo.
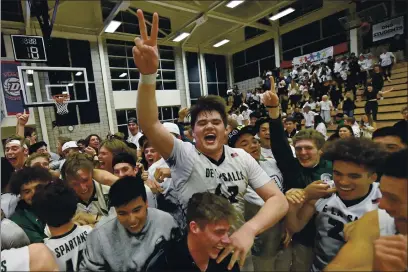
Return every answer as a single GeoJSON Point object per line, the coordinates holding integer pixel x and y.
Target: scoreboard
{"type": "Point", "coordinates": [29, 48]}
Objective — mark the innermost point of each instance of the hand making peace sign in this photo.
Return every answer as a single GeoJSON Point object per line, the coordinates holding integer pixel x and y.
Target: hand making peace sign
{"type": "Point", "coordinates": [145, 53]}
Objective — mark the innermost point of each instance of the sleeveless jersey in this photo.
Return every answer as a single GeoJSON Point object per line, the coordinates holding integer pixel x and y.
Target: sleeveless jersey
{"type": "Point", "coordinates": [15, 259]}
{"type": "Point", "coordinates": [332, 215]}
{"type": "Point", "coordinates": [68, 248]}
{"type": "Point", "coordinates": [193, 172]}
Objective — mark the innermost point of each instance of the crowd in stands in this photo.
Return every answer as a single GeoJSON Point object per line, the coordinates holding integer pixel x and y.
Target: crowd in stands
{"type": "Point", "coordinates": [254, 189]}
{"type": "Point", "coordinates": [334, 84]}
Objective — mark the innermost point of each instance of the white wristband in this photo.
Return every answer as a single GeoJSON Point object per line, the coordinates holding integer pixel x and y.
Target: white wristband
{"type": "Point", "coordinates": [148, 79]}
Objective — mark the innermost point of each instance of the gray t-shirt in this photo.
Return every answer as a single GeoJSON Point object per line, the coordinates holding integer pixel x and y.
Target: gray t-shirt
{"type": "Point", "coordinates": [12, 236]}
{"type": "Point", "coordinates": [193, 172]}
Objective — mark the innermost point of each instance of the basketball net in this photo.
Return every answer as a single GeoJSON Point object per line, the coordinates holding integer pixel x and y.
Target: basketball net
{"type": "Point", "coordinates": [61, 103]}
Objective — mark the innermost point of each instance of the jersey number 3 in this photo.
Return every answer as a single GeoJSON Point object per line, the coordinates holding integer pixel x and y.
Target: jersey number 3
{"type": "Point", "coordinates": [70, 264]}
{"type": "Point", "coordinates": [334, 232]}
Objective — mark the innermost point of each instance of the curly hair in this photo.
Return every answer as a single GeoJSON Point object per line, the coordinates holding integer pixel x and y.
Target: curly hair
{"type": "Point", "coordinates": [310, 134]}
{"type": "Point", "coordinates": [28, 175]}
{"type": "Point", "coordinates": [209, 103]}
{"type": "Point", "coordinates": [360, 151]}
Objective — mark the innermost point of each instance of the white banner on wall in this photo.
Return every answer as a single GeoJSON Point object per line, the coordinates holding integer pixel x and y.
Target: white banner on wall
{"type": "Point", "coordinates": [388, 29]}
{"type": "Point", "coordinates": [314, 57]}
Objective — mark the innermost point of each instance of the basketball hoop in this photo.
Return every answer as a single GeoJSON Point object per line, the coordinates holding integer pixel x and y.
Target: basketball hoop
{"type": "Point", "coordinates": [61, 103]}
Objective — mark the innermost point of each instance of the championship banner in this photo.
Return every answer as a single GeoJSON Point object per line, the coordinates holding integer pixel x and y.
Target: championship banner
{"type": "Point", "coordinates": [11, 87]}
{"type": "Point", "coordinates": [388, 29]}
{"type": "Point", "coordinates": [314, 57]}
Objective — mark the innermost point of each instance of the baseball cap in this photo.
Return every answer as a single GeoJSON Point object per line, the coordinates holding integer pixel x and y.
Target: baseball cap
{"type": "Point", "coordinates": [234, 135]}
{"type": "Point", "coordinates": [172, 128]}
{"type": "Point", "coordinates": [70, 144]}
{"type": "Point", "coordinates": [132, 120]}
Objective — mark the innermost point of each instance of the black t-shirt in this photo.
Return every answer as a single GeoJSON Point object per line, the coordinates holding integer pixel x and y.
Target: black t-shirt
{"type": "Point", "coordinates": [176, 257]}
{"type": "Point", "coordinates": [6, 171]}
{"type": "Point", "coordinates": [371, 95]}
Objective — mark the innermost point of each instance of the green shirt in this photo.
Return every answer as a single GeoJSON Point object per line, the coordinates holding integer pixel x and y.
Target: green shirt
{"type": "Point", "coordinates": [29, 222]}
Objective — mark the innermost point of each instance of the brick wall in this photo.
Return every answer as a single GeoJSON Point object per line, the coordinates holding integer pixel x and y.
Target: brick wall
{"type": "Point", "coordinates": [82, 130]}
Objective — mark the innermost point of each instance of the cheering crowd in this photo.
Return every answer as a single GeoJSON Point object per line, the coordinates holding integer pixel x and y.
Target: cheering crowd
{"type": "Point", "coordinates": [250, 192]}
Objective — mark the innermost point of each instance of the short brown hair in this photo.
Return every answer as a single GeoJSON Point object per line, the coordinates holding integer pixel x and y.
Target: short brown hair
{"type": "Point", "coordinates": [75, 162]}
{"type": "Point", "coordinates": [205, 208]}
{"type": "Point", "coordinates": [310, 134]}
{"type": "Point", "coordinates": [34, 156]}
{"type": "Point", "coordinates": [209, 103]}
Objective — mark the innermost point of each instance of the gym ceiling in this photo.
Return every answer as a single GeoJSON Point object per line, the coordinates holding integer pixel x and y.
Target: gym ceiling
{"type": "Point", "coordinates": [208, 22]}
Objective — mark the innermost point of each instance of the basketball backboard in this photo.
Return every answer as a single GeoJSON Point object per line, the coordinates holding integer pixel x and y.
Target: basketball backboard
{"type": "Point", "coordinates": [40, 84]}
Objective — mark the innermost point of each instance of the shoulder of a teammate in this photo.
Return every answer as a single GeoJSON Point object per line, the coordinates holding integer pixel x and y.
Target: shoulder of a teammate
{"type": "Point", "coordinates": [257, 177]}
{"type": "Point", "coordinates": [182, 152]}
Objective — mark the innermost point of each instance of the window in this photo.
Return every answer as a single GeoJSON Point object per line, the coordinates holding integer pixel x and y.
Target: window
{"type": "Point", "coordinates": [166, 114]}
{"type": "Point", "coordinates": [194, 79]}
{"type": "Point", "coordinates": [124, 74]}
{"type": "Point", "coordinates": [251, 62]}
{"type": "Point", "coordinates": [216, 74]}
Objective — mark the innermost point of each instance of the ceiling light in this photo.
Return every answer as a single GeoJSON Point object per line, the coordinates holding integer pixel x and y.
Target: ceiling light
{"type": "Point", "coordinates": [233, 4]}
{"type": "Point", "coordinates": [282, 13]}
{"type": "Point", "coordinates": [218, 44]}
{"type": "Point", "coordinates": [113, 25]}
{"type": "Point", "coordinates": [78, 73]}
{"type": "Point", "coordinates": [30, 72]}
{"type": "Point", "coordinates": [29, 84]}
{"type": "Point", "coordinates": [123, 75]}
{"type": "Point", "coordinates": [181, 37]}
{"type": "Point", "coordinates": [70, 84]}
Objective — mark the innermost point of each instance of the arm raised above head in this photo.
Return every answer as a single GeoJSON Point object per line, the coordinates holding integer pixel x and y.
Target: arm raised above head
{"type": "Point", "coordinates": [146, 58]}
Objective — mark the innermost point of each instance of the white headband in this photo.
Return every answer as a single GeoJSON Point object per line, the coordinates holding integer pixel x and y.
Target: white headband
{"type": "Point", "coordinates": [17, 142]}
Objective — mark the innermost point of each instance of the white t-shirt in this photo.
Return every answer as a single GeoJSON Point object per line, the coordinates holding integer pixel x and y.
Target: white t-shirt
{"type": "Point", "coordinates": [9, 203]}
{"type": "Point", "coordinates": [135, 139]}
{"type": "Point", "coordinates": [240, 119]}
{"type": "Point", "coordinates": [98, 204]}
{"type": "Point", "coordinates": [15, 259]}
{"type": "Point", "coordinates": [193, 172]}
{"type": "Point", "coordinates": [356, 130]}
{"type": "Point", "coordinates": [332, 215]}
{"type": "Point", "coordinates": [386, 58]}
{"type": "Point", "coordinates": [321, 127]}
{"type": "Point", "coordinates": [337, 66]}
{"type": "Point", "coordinates": [68, 248]}
{"type": "Point", "coordinates": [309, 118]}
{"type": "Point", "coordinates": [325, 105]}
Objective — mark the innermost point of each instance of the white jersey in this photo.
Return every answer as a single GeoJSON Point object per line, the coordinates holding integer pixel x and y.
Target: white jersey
{"type": "Point", "coordinates": [386, 223]}
{"type": "Point", "coordinates": [270, 167]}
{"type": "Point", "coordinates": [15, 259]}
{"type": "Point", "coordinates": [135, 139]}
{"type": "Point", "coordinates": [98, 204]}
{"type": "Point", "coordinates": [68, 248]}
{"type": "Point", "coordinates": [193, 172]}
{"type": "Point", "coordinates": [332, 215]}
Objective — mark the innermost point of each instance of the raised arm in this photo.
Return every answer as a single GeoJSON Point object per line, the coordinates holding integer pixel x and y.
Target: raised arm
{"type": "Point", "coordinates": [146, 58]}
{"type": "Point", "coordinates": [279, 142]}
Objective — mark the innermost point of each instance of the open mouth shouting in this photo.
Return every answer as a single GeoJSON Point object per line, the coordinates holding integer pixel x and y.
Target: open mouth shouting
{"type": "Point", "coordinates": [210, 138]}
